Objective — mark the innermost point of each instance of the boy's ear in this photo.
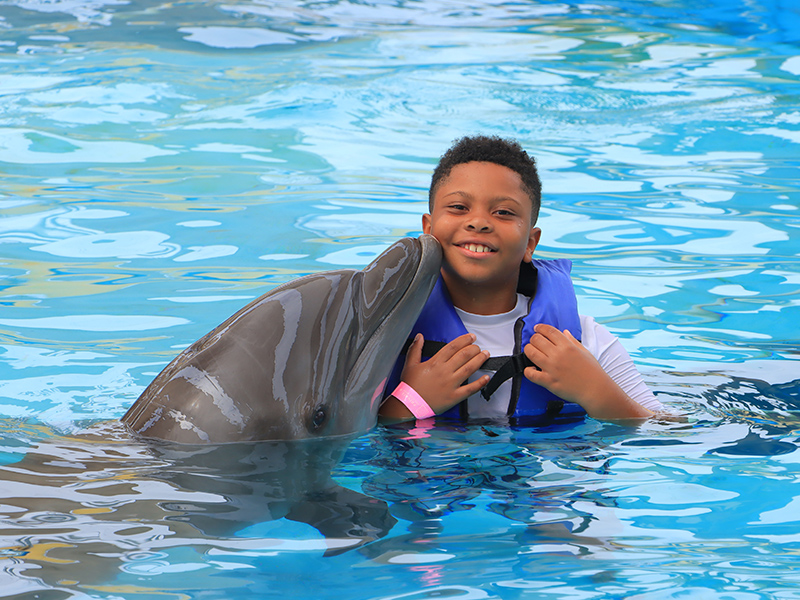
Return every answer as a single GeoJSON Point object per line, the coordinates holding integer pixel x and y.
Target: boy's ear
{"type": "Point", "coordinates": [426, 223]}
{"type": "Point", "coordinates": [533, 241]}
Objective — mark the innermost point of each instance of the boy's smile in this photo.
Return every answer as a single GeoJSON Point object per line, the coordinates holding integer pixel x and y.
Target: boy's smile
{"type": "Point", "coordinates": [482, 218]}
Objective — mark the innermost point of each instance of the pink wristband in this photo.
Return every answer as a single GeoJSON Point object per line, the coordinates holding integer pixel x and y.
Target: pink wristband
{"type": "Point", "coordinates": [413, 401]}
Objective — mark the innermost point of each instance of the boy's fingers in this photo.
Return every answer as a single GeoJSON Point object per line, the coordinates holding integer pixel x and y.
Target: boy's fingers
{"type": "Point", "coordinates": [546, 330]}
{"type": "Point", "coordinates": [467, 355]}
{"type": "Point", "coordinates": [415, 349]}
{"type": "Point", "coordinates": [472, 364]}
{"type": "Point", "coordinates": [534, 375]}
{"type": "Point", "coordinates": [537, 356]}
{"type": "Point", "coordinates": [570, 337]}
{"type": "Point", "coordinates": [541, 343]}
{"type": "Point", "coordinates": [456, 346]}
{"type": "Point", "coordinates": [548, 337]}
{"type": "Point", "coordinates": [473, 387]}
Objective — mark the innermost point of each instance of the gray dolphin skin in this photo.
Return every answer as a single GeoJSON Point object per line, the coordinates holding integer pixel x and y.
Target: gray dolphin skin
{"type": "Point", "coordinates": [308, 359]}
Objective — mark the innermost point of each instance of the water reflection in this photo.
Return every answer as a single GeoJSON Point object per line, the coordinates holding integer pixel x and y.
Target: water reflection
{"type": "Point", "coordinates": [81, 511]}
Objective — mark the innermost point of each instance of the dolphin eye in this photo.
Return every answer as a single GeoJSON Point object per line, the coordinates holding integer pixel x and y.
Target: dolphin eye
{"type": "Point", "coordinates": [319, 419]}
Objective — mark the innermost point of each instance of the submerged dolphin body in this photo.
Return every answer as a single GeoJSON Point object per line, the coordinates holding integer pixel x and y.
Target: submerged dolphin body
{"type": "Point", "coordinates": [308, 359]}
{"type": "Point", "coordinates": [138, 505]}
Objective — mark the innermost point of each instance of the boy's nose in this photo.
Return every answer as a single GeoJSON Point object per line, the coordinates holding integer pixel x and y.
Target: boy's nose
{"type": "Point", "coordinates": [478, 222]}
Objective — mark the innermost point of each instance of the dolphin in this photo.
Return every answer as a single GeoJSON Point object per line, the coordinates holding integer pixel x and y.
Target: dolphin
{"type": "Point", "coordinates": [308, 359]}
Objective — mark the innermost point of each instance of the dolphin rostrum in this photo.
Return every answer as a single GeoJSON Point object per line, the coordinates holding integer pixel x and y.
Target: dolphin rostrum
{"type": "Point", "coordinates": [308, 359]}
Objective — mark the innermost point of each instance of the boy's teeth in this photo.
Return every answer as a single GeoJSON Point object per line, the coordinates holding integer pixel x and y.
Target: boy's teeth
{"type": "Point", "coordinates": [477, 248]}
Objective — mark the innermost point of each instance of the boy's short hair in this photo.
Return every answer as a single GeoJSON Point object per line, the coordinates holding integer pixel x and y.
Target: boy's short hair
{"type": "Point", "coordinates": [505, 152]}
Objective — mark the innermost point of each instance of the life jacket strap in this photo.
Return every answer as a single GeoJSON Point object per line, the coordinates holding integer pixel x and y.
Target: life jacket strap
{"type": "Point", "coordinates": [429, 347]}
{"type": "Point", "coordinates": [505, 367]}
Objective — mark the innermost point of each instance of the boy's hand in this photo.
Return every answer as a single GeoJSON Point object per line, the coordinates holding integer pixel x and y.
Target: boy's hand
{"type": "Point", "coordinates": [571, 372]}
{"type": "Point", "coordinates": [439, 379]}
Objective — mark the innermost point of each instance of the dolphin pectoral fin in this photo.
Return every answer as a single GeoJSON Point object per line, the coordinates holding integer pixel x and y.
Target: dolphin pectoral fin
{"type": "Point", "coordinates": [338, 512]}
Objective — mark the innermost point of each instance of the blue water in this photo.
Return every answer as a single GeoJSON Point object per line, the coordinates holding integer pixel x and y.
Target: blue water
{"type": "Point", "coordinates": [164, 163]}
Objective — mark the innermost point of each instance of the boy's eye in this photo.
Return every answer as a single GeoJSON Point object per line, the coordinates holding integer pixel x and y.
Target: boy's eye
{"type": "Point", "coordinates": [505, 213]}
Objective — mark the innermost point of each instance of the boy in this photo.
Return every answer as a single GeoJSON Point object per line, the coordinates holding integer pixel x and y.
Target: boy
{"type": "Point", "coordinates": [493, 298]}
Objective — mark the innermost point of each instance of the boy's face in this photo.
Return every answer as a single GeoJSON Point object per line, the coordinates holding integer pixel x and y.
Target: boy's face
{"type": "Point", "coordinates": [482, 218]}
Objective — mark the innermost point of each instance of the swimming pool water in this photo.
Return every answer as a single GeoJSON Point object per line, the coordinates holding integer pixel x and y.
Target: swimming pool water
{"type": "Point", "coordinates": [164, 163]}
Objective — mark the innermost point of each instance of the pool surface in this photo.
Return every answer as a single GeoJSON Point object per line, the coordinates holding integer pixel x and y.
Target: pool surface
{"type": "Point", "coordinates": [162, 164]}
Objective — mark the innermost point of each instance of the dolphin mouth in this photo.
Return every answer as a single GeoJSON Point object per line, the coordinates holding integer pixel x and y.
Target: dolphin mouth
{"type": "Point", "coordinates": [387, 298]}
{"type": "Point", "coordinates": [392, 322]}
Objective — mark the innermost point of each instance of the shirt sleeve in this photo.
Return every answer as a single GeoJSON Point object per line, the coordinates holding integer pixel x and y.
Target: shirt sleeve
{"type": "Point", "coordinates": [615, 360]}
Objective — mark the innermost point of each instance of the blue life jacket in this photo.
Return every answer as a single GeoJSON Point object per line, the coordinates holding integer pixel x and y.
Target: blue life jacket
{"type": "Point", "coordinates": [552, 300]}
